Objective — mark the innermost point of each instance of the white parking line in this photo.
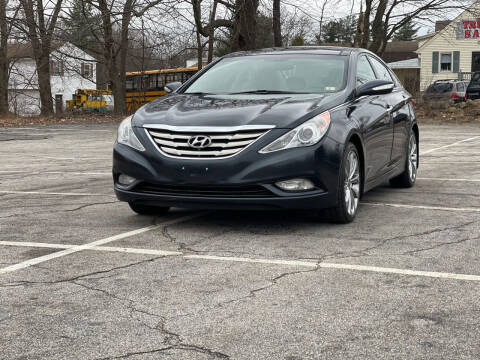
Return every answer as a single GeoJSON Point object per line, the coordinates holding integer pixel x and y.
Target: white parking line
{"type": "Point", "coordinates": [442, 208]}
{"type": "Point", "coordinates": [446, 146]}
{"type": "Point", "coordinates": [50, 193]}
{"type": "Point", "coordinates": [3, 129]}
{"type": "Point", "coordinates": [96, 248]}
{"type": "Point", "coordinates": [73, 158]}
{"type": "Point", "coordinates": [299, 263]}
{"type": "Point", "coordinates": [93, 244]}
{"type": "Point", "coordinates": [54, 172]}
{"type": "Point", "coordinates": [446, 179]}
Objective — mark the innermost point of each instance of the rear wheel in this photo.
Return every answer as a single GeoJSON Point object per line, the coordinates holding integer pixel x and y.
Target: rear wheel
{"type": "Point", "coordinates": [147, 209]}
{"type": "Point", "coordinates": [350, 185]}
{"type": "Point", "coordinates": [408, 177]}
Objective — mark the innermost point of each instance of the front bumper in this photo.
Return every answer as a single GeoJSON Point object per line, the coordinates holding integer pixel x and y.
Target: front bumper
{"type": "Point", "coordinates": [155, 171]}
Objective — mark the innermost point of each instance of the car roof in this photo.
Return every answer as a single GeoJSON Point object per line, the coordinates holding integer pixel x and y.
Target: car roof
{"type": "Point", "coordinates": [317, 50]}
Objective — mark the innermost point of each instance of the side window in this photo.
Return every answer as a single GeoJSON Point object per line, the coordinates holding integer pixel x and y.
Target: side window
{"type": "Point", "coordinates": [364, 71]}
{"type": "Point", "coordinates": [381, 71]}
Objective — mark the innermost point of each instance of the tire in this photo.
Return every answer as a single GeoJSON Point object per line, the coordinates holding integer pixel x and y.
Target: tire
{"type": "Point", "coordinates": [148, 210]}
{"type": "Point", "coordinates": [408, 177]}
{"type": "Point", "coordinates": [350, 184]}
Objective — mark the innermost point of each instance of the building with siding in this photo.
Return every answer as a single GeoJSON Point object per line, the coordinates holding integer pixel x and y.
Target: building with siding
{"type": "Point", "coordinates": [70, 69]}
{"type": "Point", "coordinates": [454, 51]}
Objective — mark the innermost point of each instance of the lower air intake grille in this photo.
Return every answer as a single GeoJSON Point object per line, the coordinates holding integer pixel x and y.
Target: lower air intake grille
{"type": "Point", "coordinates": [207, 142]}
{"type": "Point", "coordinates": [243, 191]}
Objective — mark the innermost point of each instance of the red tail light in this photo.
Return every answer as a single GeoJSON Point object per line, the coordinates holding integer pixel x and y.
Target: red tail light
{"type": "Point", "coordinates": [455, 96]}
{"type": "Point", "coordinates": [466, 96]}
{"type": "Point", "coordinates": [413, 102]}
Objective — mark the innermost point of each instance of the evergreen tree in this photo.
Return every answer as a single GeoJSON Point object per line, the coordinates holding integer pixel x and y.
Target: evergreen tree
{"type": "Point", "coordinates": [81, 24]}
{"type": "Point", "coordinates": [407, 32]}
{"type": "Point", "coordinates": [339, 31]}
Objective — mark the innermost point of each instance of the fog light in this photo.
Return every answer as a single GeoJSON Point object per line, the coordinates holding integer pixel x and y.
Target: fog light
{"type": "Point", "coordinates": [295, 185]}
{"type": "Point", "coordinates": [126, 180]}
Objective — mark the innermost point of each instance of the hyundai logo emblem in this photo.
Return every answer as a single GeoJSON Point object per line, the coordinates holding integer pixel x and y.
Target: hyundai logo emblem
{"type": "Point", "coordinates": [199, 141]}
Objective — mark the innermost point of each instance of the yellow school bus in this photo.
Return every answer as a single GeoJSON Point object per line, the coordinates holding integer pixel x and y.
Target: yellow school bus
{"type": "Point", "coordinates": [145, 86]}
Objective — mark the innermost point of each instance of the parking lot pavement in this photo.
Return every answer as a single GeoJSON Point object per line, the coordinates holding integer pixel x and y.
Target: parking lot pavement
{"type": "Point", "coordinates": [82, 277]}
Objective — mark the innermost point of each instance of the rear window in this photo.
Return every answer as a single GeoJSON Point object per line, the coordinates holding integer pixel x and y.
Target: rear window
{"type": "Point", "coordinates": [475, 79]}
{"type": "Point", "coordinates": [439, 88]}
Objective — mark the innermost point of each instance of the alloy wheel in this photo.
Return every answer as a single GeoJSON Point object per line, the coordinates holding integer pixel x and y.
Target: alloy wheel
{"type": "Point", "coordinates": [412, 158]}
{"type": "Point", "coordinates": [352, 183]}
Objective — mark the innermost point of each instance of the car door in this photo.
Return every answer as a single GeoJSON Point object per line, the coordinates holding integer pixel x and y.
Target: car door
{"type": "Point", "coordinates": [398, 101]}
{"type": "Point", "coordinates": [373, 113]}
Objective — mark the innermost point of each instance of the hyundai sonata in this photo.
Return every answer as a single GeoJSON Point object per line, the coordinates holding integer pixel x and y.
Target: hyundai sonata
{"type": "Point", "coordinates": [293, 128]}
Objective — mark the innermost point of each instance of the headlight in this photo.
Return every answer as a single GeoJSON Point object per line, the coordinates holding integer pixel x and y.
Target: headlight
{"type": "Point", "coordinates": [126, 136]}
{"type": "Point", "coordinates": [307, 134]}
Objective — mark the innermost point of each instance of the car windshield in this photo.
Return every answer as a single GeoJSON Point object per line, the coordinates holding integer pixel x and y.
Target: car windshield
{"type": "Point", "coordinates": [263, 74]}
{"type": "Point", "coordinates": [439, 88]}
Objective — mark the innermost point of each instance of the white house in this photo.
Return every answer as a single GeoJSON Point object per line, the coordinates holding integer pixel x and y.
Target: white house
{"type": "Point", "coordinates": [70, 68]}
{"type": "Point", "coordinates": [452, 51]}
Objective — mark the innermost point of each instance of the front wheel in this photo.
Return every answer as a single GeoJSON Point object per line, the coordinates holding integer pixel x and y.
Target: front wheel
{"type": "Point", "coordinates": [350, 184]}
{"type": "Point", "coordinates": [408, 177]}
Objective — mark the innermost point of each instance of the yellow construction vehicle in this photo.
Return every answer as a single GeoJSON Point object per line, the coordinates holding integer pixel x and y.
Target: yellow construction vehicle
{"type": "Point", "coordinates": [91, 100]}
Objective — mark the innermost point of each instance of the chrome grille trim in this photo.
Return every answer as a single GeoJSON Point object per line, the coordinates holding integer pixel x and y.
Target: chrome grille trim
{"type": "Point", "coordinates": [172, 141]}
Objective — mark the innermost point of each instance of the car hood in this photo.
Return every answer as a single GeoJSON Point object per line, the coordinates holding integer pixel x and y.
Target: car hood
{"type": "Point", "coordinates": [283, 111]}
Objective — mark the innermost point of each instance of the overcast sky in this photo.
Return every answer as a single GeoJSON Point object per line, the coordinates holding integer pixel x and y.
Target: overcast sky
{"type": "Point", "coordinates": [339, 8]}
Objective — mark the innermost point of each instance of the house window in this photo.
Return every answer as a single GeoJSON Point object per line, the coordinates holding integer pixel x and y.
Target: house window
{"type": "Point", "coordinates": [446, 62]}
{"type": "Point", "coordinates": [56, 67]}
{"type": "Point", "coordinates": [86, 70]}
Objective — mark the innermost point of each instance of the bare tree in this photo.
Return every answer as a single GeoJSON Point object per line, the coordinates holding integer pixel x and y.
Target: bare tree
{"type": "Point", "coordinates": [39, 26]}
{"type": "Point", "coordinates": [208, 30]}
{"type": "Point", "coordinates": [245, 24]}
{"type": "Point", "coordinates": [116, 19]}
{"type": "Point", "coordinates": [276, 20]}
{"type": "Point", "coordinates": [322, 17]}
{"type": "Point", "coordinates": [390, 15]}
{"type": "Point", "coordinates": [3, 58]}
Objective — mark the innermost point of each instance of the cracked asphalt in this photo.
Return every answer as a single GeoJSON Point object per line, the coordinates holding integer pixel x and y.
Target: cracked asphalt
{"type": "Point", "coordinates": [83, 277]}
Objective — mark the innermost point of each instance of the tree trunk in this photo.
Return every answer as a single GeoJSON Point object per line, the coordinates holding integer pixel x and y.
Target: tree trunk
{"type": "Point", "coordinates": [115, 66]}
{"type": "Point", "coordinates": [277, 31]}
{"type": "Point", "coordinates": [40, 36]}
{"type": "Point", "coordinates": [211, 32]}
{"type": "Point", "coordinates": [366, 24]}
{"type": "Point", "coordinates": [199, 52]}
{"type": "Point", "coordinates": [44, 86]}
{"type": "Point", "coordinates": [3, 59]}
{"type": "Point", "coordinates": [378, 30]}
{"type": "Point", "coordinates": [244, 32]}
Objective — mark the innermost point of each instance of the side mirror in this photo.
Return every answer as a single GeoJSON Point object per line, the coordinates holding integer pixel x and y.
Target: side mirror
{"type": "Point", "coordinates": [173, 86]}
{"type": "Point", "coordinates": [375, 87]}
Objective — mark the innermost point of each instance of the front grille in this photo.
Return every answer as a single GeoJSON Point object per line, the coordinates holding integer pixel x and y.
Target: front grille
{"type": "Point", "coordinates": [230, 191]}
{"type": "Point", "coordinates": [223, 143]}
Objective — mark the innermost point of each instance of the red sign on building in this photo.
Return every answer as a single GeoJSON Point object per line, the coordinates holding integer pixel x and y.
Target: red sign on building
{"type": "Point", "coordinates": [468, 29]}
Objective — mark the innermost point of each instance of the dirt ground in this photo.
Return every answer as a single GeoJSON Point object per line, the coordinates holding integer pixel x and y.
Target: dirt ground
{"type": "Point", "coordinates": [461, 113]}
{"type": "Point", "coordinates": [468, 113]}
{"type": "Point", "coordinates": [8, 121]}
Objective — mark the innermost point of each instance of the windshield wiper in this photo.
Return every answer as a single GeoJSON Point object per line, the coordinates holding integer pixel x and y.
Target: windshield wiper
{"type": "Point", "coordinates": [198, 93]}
{"type": "Point", "coordinates": [266, 92]}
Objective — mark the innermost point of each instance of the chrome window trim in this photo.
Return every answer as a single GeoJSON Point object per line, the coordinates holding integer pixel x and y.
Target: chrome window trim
{"type": "Point", "coordinates": [267, 129]}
